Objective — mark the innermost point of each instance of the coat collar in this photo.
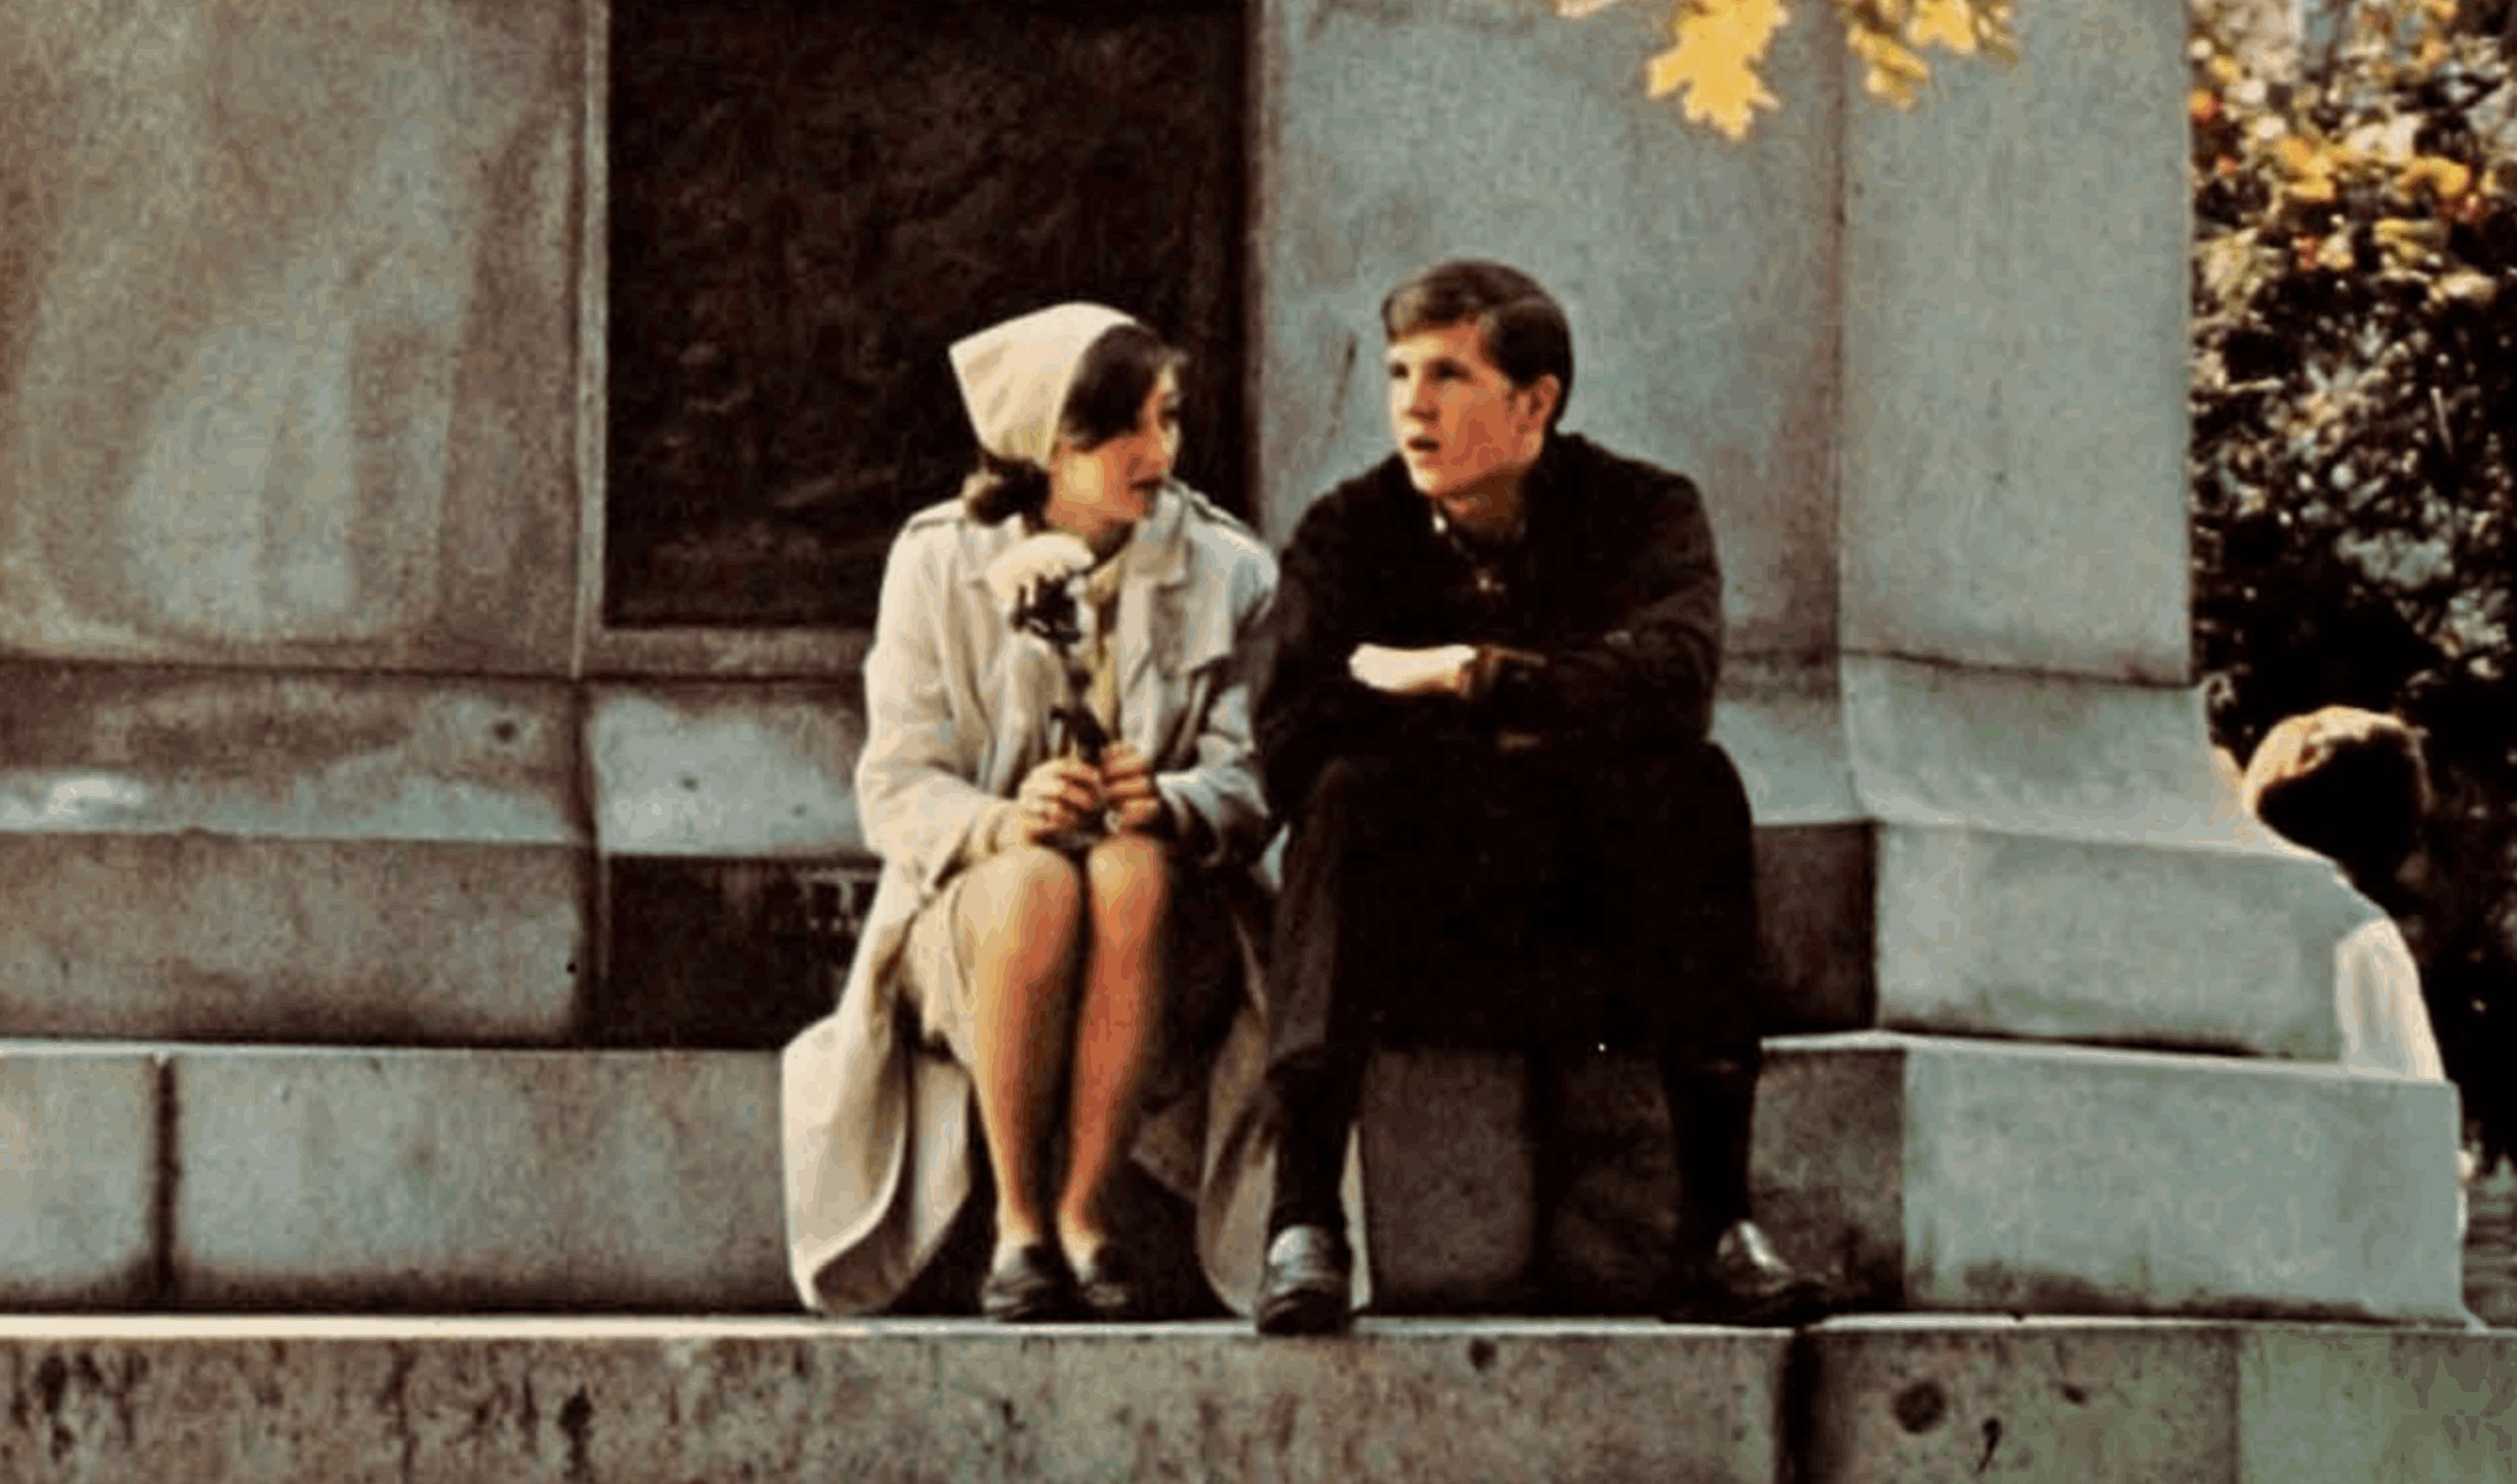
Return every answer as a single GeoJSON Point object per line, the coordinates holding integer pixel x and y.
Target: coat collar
{"type": "Point", "coordinates": [1158, 554]}
{"type": "Point", "coordinates": [1165, 629]}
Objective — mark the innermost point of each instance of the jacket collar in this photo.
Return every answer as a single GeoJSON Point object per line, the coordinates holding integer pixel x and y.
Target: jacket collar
{"type": "Point", "coordinates": [1158, 553]}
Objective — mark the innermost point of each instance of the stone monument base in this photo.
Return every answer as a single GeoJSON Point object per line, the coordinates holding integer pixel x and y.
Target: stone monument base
{"type": "Point", "coordinates": [1938, 1173]}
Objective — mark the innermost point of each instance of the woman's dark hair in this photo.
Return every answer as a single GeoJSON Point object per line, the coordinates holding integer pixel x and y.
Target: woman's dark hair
{"type": "Point", "coordinates": [1111, 384]}
{"type": "Point", "coordinates": [1520, 324]}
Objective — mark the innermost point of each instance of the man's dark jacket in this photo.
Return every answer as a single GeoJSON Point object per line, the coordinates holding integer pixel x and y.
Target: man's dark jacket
{"type": "Point", "coordinates": [1614, 584]}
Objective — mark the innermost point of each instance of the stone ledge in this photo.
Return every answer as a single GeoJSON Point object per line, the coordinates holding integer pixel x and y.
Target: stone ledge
{"type": "Point", "coordinates": [229, 1400]}
{"type": "Point", "coordinates": [1880, 1400]}
{"type": "Point", "coordinates": [1956, 851]}
{"type": "Point", "coordinates": [1940, 1173]}
{"type": "Point", "coordinates": [80, 1148]}
{"type": "Point", "coordinates": [451, 1180]}
{"type": "Point", "coordinates": [1930, 1399]}
{"type": "Point", "coordinates": [206, 937]}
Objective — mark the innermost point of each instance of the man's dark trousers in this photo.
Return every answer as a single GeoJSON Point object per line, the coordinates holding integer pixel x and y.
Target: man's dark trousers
{"type": "Point", "coordinates": [1464, 894]}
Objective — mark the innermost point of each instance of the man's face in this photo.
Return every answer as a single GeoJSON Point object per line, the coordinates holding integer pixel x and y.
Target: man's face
{"type": "Point", "coordinates": [1461, 425]}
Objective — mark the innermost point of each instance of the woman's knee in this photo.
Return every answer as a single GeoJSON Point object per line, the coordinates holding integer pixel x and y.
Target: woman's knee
{"type": "Point", "coordinates": [1031, 891]}
{"type": "Point", "coordinates": [1128, 880]}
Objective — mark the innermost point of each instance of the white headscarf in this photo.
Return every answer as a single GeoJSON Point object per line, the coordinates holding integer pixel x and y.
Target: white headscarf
{"type": "Point", "coordinates": [1015, 376]}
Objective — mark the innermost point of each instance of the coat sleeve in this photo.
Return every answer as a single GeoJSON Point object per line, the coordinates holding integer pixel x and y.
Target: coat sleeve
{"type": "Point", "coordinates": [1311, 710]}
{"type": "Point", "coordinates": [915, 792]}
{"type": "Point", "coordinates": [1649, 676]}
{"type": "Point", "coordinates": [1216, 797]}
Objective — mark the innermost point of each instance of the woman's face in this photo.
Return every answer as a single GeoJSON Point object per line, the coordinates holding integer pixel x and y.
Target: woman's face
{"type": "Point", "coordinates": [1110, 487]}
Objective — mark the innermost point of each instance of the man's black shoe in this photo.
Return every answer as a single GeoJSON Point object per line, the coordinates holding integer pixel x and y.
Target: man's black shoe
{"type": "Point", "coordinates": [1744, 1280]}
{"type": "Point", "coordinates": [1307, 1286]}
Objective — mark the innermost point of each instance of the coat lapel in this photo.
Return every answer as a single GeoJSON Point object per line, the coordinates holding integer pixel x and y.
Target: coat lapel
{"type": "Point", "coordinates": [1164, 637]}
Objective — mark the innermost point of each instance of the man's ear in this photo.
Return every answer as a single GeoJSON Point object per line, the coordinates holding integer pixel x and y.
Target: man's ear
{"type": "Point", "coordinates": [1545, 395]}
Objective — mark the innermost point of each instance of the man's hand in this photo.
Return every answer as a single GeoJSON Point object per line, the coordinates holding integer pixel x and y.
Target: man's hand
{"type": "Point", "coordinates": [1446, 670]}
{"type": "Point", "coordinates": [1057, 795]}
{"type": "Point", "coordinates": [1465, 670]}
{"type": "Point", "coordinates": [1128, 789]}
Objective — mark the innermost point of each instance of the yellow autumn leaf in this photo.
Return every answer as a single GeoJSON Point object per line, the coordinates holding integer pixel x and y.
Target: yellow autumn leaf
{"type": "Point", "coordinates": [2407, 242]}
{"type": "Point", "coordinates": [2301, 154]}
{"type": "Point", "coordinates": [1996, 30]}
{"type": "Point", "coordinates": [2335, 253]}
{"type": "Point", "coordinates": [1714, 65]}
{"type": "Point", "coordinates": [1894, 73]}
{"type": "Point", "coordinates": [2224, 69]}
{"type": "Point", "coordinates": [1943, 23]}
{"type": "Point", "coordinates": [2447, 177]}
{"type": "Point", "coordinates": [1575, 10]}
{"type": "Point", "coordinates": [2310, 163]}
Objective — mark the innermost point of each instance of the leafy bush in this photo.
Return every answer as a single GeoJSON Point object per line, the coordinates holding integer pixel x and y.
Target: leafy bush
{"type": "Point", "coordinates": [2354, 406]}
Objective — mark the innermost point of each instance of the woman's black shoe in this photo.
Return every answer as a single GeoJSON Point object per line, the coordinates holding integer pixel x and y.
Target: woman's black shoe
{"type": "Point", "coordinates": [1110, 1288]}
{"type": "Point", "coordinates": [1028, 1284]}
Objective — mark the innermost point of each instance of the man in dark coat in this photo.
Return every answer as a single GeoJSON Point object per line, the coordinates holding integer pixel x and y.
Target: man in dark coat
{"type": "Point", "coordinates": [1484, 715]}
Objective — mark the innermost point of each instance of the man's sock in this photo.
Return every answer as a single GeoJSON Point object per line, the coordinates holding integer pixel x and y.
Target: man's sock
{"type": "Point", "coordinates": [1712, 1101]}
{"type": "Point", "coordinates": [1312, 1110]}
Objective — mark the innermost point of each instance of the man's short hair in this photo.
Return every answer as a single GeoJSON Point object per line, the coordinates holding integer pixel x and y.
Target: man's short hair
{"type": "Point", "coordinates": [1520, 324]}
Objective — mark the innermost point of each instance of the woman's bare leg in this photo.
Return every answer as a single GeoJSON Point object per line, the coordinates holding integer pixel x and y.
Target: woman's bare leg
{"type": "Point", "coordinates": [1021, 922]}
{"type": "Point", "coordinates": [1127, 907]}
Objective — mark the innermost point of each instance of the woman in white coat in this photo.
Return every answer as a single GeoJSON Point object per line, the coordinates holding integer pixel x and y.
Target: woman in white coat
{"type": "Point", "coordinates": [1053, 806]}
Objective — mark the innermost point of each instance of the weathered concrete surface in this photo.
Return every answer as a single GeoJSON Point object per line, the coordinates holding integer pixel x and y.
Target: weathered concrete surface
{"type": "Point", "coordinates": [697, 1402]}
{"type": "Point", "coordinates": [453, 1180]}
{"type": "Point", "coordinates": [2013, 283]}
{"type": "Point", "coordinates": [216, 853]}
{"type": "Point", "coordinates": [747, 771]}
{"type": "Point", "coordinates": [1448, 1180]}
{"type": "Point", "coordinates": [209, 937]}
{"type": "Point", "coordinates": [1883, 1401]}
{"type": "Point", "coordinates": [306, 755]}
{"type": "Point", "coordinates": [79, 1150]}
{"type": "Point", "coordinates": [1983, 1175]}
{"type": "Point", "coordinates": [1926, 1399]}
{"type": "Point", "coordinates": [287, 342]}
{"type": "Point", "coordinates": [2327, 1406]}
{"type": "Point", "coordinates": [1935, 1399]}
{"type": "Point", "coordinates": [1995, 851]}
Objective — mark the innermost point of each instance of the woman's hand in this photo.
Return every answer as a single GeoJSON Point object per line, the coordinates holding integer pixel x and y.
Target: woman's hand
{"type": "Point", "coordinates": [1060, 794]}
{"type": "Point", "coordinates": [1128, 789]}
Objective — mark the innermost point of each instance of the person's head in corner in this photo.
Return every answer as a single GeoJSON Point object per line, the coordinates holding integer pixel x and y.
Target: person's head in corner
{"type": "Point", "coordinates": [2348, 783]}
{"type": "Point", "coordinates": [1480, 363]}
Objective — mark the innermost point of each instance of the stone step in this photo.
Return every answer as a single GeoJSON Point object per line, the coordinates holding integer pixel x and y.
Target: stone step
{"type": "Point", "coordinates": [316, 1177]}
{"type": "Point", "coordinates": [1924, 1399]}
{"type": "Point", "coordinates": [232, 1400]}
{"type": "Point", "coordinates": [221, 1401]}
{"type": "Point", "coordinates": [1942, 1173]}
{"type": "Point", "coordinates": [422, 860]}
{"type": "Point", "coordinates": [1930, 1174]}
{"type": "Point", "coordinates": [432, 1179]}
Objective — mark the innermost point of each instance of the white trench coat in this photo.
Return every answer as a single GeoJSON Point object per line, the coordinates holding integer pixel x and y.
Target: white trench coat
{"type": "Point", "coordinates": [880, 1133]}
